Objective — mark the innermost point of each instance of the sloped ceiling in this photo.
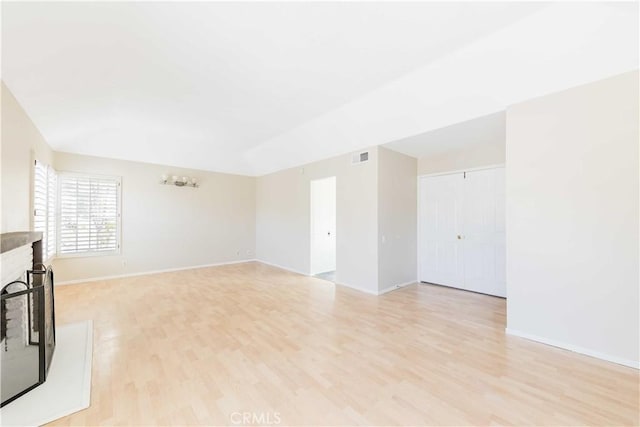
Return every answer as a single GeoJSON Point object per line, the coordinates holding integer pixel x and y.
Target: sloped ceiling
{"type": "Point", "coordinates": [489, 130]}
{"type": "Point", "coordinates": [252, 88]}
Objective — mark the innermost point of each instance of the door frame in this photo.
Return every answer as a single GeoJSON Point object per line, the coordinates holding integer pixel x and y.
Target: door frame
{"type": "Point", "coordinates": [419, 187]}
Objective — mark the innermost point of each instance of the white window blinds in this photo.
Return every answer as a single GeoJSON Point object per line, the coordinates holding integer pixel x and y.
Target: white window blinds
{"type": "Point", "coordinates": [45, 193]}
{"type": "Point", "coordinates": [89, 214]}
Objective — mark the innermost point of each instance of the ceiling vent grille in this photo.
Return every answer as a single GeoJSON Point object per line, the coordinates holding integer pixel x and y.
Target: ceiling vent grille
{"type": "Point", "coordinates": [360, 157]}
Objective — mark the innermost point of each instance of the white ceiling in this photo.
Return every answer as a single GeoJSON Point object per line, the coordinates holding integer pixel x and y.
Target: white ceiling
{"type": "Point", "coordinates": [478, 132]}
{"type": "Point", "coordinates": [251, 88]}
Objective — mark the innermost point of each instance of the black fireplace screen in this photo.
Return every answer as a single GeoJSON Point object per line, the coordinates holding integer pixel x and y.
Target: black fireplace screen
{"type": "Point", "coordinates": [27, 334]}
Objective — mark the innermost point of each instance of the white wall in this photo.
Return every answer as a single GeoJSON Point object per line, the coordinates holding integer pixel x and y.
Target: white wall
{"type": "Point", "coordinates": [572, 219]}
{"type": "Point", "coordinates": [22, 143]}
{"type": "Point", "coordinates": [374, 199]}
{"type": "Point", "coordinates": [283, 218]}
{"type": "Point", "coordinates": [397, 219]}
{"type": "Point", "coordinates": [165, 226]}
{"type": "Point", "coordinates": [486, 154]}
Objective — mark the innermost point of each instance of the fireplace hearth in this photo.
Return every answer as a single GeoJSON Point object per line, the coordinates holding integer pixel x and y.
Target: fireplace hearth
{"type": "Point", "coordinates": [27, 314]}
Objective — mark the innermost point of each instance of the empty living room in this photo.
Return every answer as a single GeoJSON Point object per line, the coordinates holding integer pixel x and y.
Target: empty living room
{"type": "Point", "coordinates": [234, 213]}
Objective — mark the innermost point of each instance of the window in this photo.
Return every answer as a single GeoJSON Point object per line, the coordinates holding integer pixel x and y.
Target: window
{"type": "Point", "coordinates": [89, 215]}
{"type": "Point", "coordinates": [45, 193]}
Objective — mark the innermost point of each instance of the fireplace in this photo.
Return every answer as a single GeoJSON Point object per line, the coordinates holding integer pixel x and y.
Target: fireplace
{"type": "Point", "coordinates": [27, 314]}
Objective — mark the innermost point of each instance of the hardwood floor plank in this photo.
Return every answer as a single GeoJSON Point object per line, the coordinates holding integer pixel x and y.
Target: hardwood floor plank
{"type": "Point", "coordinates": [196, 347]}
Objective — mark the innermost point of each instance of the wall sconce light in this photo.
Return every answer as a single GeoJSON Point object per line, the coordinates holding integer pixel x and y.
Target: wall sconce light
{"type": "Point", "coordinates": [179, 181]}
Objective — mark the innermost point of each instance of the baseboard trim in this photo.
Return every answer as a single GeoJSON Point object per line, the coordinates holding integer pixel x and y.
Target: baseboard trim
{"type": "Point", "coordinates": [282, 267]}
{"type": "Point", "coordinates": [149, 272]}
{"type": "Point", "coordinates": [219, 264]}
{"type": "Point", "coordinates": [396, 287]}
{"type": "Point", "coordinates": [574, 348]}
{"type": "Point", "coordinates": [358, 288]}
{"type": "Point", "coordinates": [291, 270]}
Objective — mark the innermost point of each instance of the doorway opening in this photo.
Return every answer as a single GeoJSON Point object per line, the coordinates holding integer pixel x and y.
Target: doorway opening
{"type": "Point", "coordinates": [323, 228]}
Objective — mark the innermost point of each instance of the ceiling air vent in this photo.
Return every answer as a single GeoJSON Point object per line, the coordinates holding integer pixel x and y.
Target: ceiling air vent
{"type": "Point", "coordinates": [360, 157]}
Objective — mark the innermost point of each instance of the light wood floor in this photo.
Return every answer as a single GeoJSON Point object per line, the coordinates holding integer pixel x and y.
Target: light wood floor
{"type": "Point", "coordinates": [195, 347]}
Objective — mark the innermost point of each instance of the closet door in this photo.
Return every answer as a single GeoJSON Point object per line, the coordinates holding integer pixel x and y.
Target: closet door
{"type": "Point", "coordinates": [441, 259]}
{"type": "Point", "coordinates": [483, 232]}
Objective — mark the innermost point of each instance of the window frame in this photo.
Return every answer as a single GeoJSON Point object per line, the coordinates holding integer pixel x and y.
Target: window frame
{"type": "Point", "coordinates": [49, 226]}
{"type": "Point", "coordinates": [88, 254]}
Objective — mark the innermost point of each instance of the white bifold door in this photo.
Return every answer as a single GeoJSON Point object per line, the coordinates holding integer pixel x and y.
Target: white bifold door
{"type": "Point", "coordinates": [461, 238]}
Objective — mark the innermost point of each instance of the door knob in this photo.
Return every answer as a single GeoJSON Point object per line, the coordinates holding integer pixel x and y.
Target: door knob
{"type": "Point", "coordinates": [459, 237]}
